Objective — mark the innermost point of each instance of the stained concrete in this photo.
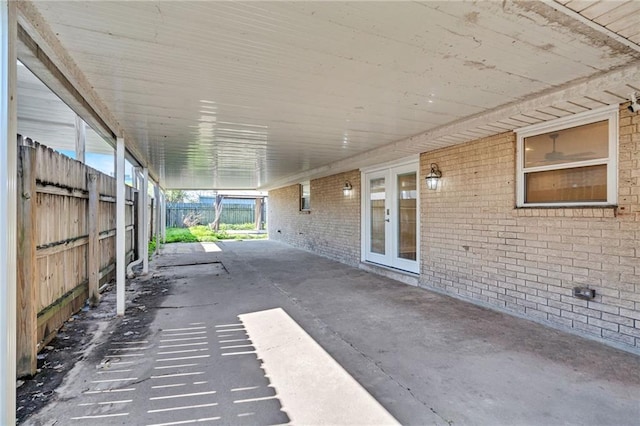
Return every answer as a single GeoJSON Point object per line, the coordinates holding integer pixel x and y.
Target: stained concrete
{"type": "Point", "coordinates": [401, 353]}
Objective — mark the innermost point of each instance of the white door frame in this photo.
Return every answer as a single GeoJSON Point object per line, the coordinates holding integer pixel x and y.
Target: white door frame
{"type": "Point", "coordinates": [390, 172]}
{"type": "Point", "coordinates": [367, 255]}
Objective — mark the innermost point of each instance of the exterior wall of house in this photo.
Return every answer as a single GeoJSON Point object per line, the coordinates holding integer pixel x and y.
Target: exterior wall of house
{"type": "Point", "coordinates": [331, 228]}
{"type": "Point", "coordinates": [476, 245]}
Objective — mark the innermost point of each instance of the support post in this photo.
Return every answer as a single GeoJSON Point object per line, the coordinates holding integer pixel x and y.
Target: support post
{"type": "Point", "coordinates": [81, 137]}
{"type": "Point", "coordinates": [258, 213]}
{"type": "Point", "coordinates": [156, 192]}
{"type": "Point", "coordinates": [121, 235]}
{"type": "Point", "coordinates": [93, 264]}
{"type": "Point", "coordinates": [8, 200]}
{"type": "Point", "coordinates": [140, 216]}
{"type": "Point", "coordinates": [152, 211]}
{"type": "Point", "coordinates": [27, 293]}
{"type": "Point", "coordinates": [145, 223]}
{"type": "Point", "coordinates": [163, 220]}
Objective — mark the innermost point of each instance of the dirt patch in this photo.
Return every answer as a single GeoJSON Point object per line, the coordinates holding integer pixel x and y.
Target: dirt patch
{"type": "Point", "coordinates": [86, 335]}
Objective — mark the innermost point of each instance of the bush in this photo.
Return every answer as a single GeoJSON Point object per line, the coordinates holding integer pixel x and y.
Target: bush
{"type": "Point", "coordinates": [202, 233]}
{"type": "Point", "coordinates": [237, 226]}
{"type": "Point", "coordinates": [180, 235]}
{"type": "Point", "coordinates": [152, 247]}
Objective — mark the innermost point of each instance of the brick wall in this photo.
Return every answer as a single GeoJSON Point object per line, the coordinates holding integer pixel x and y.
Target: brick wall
{"type": "Point", "coordinates": [330, 229]}
{"type": "Point", "coordinates": [477, 246]}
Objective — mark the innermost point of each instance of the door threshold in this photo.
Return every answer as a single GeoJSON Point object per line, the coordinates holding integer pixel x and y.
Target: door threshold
{"type": "Point", "coordinates": [410, 278]}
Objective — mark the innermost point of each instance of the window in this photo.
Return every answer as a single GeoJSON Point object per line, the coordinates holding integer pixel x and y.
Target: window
{"type": "Point", "coordinates": [305, 196]}
{"type": "Point", "coordinates": [570, 161]}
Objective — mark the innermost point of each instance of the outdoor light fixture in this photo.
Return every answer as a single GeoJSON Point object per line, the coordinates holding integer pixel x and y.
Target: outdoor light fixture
{"type": "Point", "coordinates": [346, 189]}
{"type": "Point", "coordinates": [433, 177]}
{"type": "Point", "coordinates": [635, 106]}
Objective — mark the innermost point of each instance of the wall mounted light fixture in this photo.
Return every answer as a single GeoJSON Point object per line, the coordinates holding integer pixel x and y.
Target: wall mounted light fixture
{"type": "Point", "coordinates": [433, 177]}
{"type": "Point", "coordinates": [346, 189]}
{"type": "Point", "coordinates": [635, 106]}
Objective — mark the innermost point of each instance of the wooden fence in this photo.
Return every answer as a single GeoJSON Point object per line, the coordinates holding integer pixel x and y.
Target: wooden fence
{"type": "Point", "coordinates": [66, 242]}
{"type": "Point", "coordinates": [232, 213]}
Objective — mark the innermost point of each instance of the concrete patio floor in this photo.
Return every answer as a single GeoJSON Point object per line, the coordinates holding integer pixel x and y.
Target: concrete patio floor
{"type": "Point", "coordinates": [256, 332]}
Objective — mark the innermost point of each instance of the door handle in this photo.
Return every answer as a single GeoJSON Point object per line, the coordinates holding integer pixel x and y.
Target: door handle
{"type": "Point", "coordinates": [386, 220]}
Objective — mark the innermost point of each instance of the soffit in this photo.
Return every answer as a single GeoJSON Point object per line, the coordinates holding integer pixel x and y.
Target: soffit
{"type": "Point", "coordinates": [621, 17]}
{"type": "Point", "coordinates": [260, 94]}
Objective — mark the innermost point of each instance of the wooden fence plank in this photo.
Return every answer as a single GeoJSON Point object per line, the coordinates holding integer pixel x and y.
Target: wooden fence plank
{"type": "Point", "coordinates": [67, 240]}
{"type": "Point", "coordinates": [233, 212]}
{"type": "Point", "coordinates": [62, 191]}
{"type": "Point", "coordinates": [61, 246]}
{"type": "Point", "coordinates": [27, 273]}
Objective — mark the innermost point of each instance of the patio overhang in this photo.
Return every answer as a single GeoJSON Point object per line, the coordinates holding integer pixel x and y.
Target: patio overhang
{"type": "Point", "coordinates": [220, 95]}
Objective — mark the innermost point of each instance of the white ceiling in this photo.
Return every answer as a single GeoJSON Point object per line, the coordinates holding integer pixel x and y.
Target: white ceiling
{"type": "Point", "coordinates": [44, 118]}
{"type": "Point", "coordinates": [259, 94]}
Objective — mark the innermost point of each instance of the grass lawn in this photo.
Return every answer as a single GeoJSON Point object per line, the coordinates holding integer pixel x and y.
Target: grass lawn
{"type": "Point", "coordinates": [202, 233]}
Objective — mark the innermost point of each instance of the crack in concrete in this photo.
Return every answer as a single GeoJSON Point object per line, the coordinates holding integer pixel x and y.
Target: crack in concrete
{"type": "Point", "coordinates": [183, 306]}
{"type": "Point", "coordinates": [213, 262]}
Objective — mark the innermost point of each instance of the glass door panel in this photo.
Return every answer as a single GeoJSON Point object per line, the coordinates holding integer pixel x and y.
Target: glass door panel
{"type": "Point", "coordinates": [378, 215]}
{"type": "Point", "coordinates": [390, 217]}
{"type": "Point", "coordinates": [407, 216]}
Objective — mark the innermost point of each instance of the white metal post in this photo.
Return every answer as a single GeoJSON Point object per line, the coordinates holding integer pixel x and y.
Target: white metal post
{"type": "Point", "coordinates": [141, 207]}
{"type": "Point", "coordinates": [163, 222]}
{"type": "Point", "coordinates": [121, 235]}
{"type": "Point", "coordinates": [156, 193]}
{"type": "Point", "coordinates": [81, 136]}
{"type": "Point", "coordinates": [8, 202]}
{"type": "Point", "coordinates": [145, 225]}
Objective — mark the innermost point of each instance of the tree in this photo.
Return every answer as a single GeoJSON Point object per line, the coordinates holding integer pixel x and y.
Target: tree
{"type": "Point", "coordinates": [174, 196]}
{"type": "Point", "coordinates": [215, 225]}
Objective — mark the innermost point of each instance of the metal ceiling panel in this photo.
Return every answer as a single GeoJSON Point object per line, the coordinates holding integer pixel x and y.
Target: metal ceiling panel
{"type": "Point", "coordinates": [255, 94]}
{"type": "Point", "coordinates": [44, 118]}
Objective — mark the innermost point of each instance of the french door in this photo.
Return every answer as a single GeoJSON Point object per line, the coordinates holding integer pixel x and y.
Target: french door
{"type": "Point", "coordinates": [391, 217]}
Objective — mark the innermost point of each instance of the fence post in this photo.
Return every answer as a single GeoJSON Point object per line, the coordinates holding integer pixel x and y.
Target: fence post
{"type": "Point", "coordinates": [93, 264]}
{"type": "Point", "coordinates": [27, 294]}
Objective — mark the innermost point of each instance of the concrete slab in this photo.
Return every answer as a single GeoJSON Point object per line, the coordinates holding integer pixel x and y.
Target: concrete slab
{"type": "Point", "coordinates": [255, 332]}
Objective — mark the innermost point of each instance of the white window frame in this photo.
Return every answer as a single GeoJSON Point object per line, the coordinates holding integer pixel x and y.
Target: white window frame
{"type": "Point", "coordinates": [608, 113]}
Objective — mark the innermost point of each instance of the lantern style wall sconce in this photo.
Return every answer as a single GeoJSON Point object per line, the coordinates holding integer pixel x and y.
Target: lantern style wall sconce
{"type": "Point", "coordinates": [346, 189]}
{"type": "Point", "coordinates": [635, 105]}
{"type": "Point", "coordinates": [433, 177]}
